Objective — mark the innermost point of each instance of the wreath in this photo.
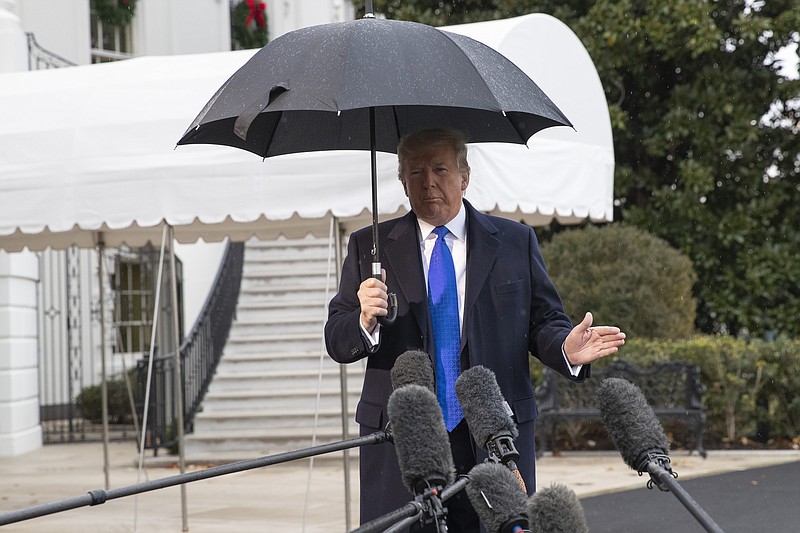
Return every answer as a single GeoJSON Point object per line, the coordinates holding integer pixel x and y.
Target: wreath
{"type": "Point", "coordinates": [249, 24]}
{"type": "Point", "coordinates": [114, 12]}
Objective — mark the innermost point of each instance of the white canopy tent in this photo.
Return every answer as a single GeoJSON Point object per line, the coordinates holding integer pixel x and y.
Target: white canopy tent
{"type": "Point", "coordinates": [92, 148]}
{"type": "Point", "coordinates": [88, 153]}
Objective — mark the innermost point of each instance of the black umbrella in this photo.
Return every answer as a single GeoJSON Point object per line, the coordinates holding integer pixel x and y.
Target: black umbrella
{"type": "Point", "coordinates": [362, 85]}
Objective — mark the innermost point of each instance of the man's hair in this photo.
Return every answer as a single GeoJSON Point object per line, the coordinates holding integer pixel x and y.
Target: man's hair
{"type": "Point", "coordinates": [419, 141]}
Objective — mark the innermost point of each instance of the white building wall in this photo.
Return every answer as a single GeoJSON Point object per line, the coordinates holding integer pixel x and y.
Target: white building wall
{"type": "Point", "coordinates": [288, 15]}
{"type": "Point", "coordinates": [61, 27]}
{"type": "Point", "coordinates": [20, 431]}
{"type": "Point", "coordinates": [181, 27]}
{"type": "Point", "coordinates": [201, 262]}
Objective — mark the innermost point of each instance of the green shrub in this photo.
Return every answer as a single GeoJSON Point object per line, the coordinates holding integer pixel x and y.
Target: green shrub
{"type": "Point", "coordinates": [625, 277]}
{"type": "Point", "coordinates": [751, 384]}
{"type": "Point", "coordinates": [779, 402]}
{"type": "Point", "coordinates": [89, 402]}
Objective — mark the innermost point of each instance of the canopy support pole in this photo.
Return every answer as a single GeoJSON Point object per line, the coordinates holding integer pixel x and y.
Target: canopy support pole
{"type": "Point", "coordinates": [337, 240]}
{"type": "Point", "coordinates": [150, 359]}
{"type": "Point", "coordinates": [103, 370]}
{"type": "Point", "coordinates": [179, 389]}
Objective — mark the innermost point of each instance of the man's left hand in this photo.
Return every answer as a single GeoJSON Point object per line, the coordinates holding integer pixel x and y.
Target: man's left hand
{"type": "Point", "coordinates": [586, 344]}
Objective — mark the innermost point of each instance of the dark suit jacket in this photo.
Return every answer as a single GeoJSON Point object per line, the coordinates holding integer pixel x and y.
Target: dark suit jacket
{"type": "Point", "coordinates": [511, 308]}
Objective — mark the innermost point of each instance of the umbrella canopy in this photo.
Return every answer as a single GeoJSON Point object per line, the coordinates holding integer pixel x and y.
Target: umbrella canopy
{"type": "Point", "coordinates": [362, 85]}
{"type": "Point", "coordinates": [313, 89]}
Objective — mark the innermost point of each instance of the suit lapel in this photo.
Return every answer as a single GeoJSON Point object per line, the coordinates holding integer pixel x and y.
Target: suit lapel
{"type": "Point", "coordinates": [482, 249]}
{"type": "Point", "coordinates": [401, 250]}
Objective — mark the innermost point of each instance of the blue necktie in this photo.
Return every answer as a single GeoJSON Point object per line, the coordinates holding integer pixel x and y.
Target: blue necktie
{"type": "Point", "coordinates": [443, 303]}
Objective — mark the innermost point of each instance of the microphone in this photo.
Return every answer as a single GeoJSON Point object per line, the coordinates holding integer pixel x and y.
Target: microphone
{"type": "Point", "coordinates": [420, 439]}
{"type": "Point", "coordinates": [413, 367]}
{"type": "Point", "coordinates": [632, 424]}
{"type": "Point", "coordinates": [556, 509]}
{"type": "Point", "coordinates": [489, 417]}
{"type": "Point", "coordinates": [496, 496]}
{"type": "Point", "coordinates": [425, 467]}
{"type": "Point", "coordinates": [637, 434]}
{"type": "Point", "coordinates": [422, 446]}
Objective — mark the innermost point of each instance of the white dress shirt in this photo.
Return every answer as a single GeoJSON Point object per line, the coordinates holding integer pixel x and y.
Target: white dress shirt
{"type": "Point", "coordinates": [456, 241]}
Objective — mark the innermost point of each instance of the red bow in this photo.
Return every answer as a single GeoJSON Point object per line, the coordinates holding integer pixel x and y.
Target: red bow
{"type": "Point", "coordinates": [256, 12]}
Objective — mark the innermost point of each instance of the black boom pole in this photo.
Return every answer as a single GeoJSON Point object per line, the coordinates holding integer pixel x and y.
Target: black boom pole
{"type": "Point", "coordinates": [99, 496]}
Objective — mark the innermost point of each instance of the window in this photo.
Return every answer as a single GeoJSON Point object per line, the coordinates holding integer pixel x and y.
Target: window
{"type": "Point", "coordinates": [110, 42]}
{"type": "Point", "coordinates": [134, 284]}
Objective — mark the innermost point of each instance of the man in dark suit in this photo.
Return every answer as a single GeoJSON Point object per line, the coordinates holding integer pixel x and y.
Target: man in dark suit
{"type": "Point", "coordinates": [507, 308]}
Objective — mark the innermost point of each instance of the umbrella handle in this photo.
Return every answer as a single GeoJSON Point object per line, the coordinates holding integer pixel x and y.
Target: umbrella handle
{"type": "Point", "coordinates": [389, 319]}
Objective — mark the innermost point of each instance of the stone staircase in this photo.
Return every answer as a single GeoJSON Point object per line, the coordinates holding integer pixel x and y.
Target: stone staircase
{"type": "Point", "coordinates": [263, 398]}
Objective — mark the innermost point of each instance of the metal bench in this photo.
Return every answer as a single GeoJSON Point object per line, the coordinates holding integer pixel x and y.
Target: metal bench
{"type": "Point", "coordinates": [673, 389]}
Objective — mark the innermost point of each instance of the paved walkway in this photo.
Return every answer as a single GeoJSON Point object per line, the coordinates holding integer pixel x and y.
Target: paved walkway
{"type": "Point", "coordinates": [759, 499]}
{"type": "Point", "coordinates": [270, 499]}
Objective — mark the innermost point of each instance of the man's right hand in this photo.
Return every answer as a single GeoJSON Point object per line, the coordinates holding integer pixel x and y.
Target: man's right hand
{"type": "Point", "coordinates": [372, 294]}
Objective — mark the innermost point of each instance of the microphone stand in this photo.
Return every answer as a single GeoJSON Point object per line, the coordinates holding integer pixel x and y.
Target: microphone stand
{"type": "Point", "coordinates": [428, 503]}
{"type": "Point", "coordinates": [501, 450]}
{"type": "Point", "coordinates": [661, 474]}
{"type": "Point", "coordinates": [400, 526]}
{"type": "Point", "coordinates": [100, 496]}
{"type": "Point", "coordinates": [413, 509]}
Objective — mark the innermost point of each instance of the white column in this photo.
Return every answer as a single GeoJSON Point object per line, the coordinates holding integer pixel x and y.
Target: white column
{"type": "Point", "coordinates": [280, 18]}
{"type": "Point", "coordinates": [13, 43]}
{"type": "Point", "coordinates": [20, 431]}
{"type": "Point", "coordinates": [289, 15]}
{"type": "Point", "coordinates": [343, 10]}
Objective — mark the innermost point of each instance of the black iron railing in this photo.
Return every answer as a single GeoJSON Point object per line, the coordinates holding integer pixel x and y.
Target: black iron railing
{"type": "Point", "coordinates": [200, 353]}
{"type": "Point", "coordinates": [39, 58]}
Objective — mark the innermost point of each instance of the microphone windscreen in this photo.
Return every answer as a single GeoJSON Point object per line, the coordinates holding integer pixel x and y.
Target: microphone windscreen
{"type": "Point", "coordinates": [496, 496]}
{"type": "Point", "coordinates": [483, 405]}
{"type": "Point", "coordinates": [413, 367]}
{"type": "Point", "coordinates": [420, 438]}
{"type": "Point", "coordinates": [630, 421]}
{"type": "Point", "coordinates": [556, 509]}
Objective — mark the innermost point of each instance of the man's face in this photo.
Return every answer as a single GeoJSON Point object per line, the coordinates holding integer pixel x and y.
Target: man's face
{"type": "Point", "coordinates": [434, 184]}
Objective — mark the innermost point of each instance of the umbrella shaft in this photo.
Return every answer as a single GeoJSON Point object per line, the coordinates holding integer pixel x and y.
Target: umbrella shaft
{"type": "Point", "coordinates": [376, 258]}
